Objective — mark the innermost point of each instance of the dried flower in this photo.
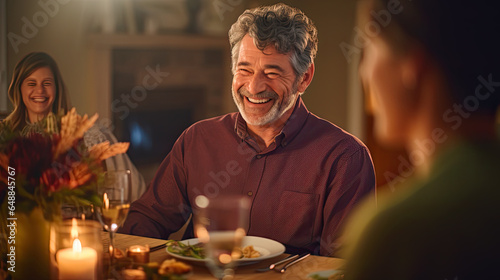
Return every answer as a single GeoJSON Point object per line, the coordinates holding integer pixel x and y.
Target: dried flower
{"type": "Point", "coordinates": [54, 167]}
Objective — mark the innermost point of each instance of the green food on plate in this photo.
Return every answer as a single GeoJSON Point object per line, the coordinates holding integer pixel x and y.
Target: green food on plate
{"type": "Point", "coordinates": [187, 250]}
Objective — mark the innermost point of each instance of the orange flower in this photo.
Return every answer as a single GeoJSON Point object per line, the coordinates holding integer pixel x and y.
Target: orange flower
{"type": "Point", "coordinates": [79, 175]}
{"type": "Point", "coordinates": [48, 162]}
{"type": "Point", "coordinates": [73, 126]}
{"type": "Point", "coordinates": [104, 151]}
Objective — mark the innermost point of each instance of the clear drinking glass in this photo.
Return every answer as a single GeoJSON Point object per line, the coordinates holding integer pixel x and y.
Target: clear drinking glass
{"type": "Point", "coordinates": [115, 193]}
{"type": "Point", "coordinates": [221, 224]}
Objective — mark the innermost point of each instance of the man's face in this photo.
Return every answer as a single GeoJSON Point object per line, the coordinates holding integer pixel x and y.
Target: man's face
{"type": "Point", "coordinates": [264, 84]}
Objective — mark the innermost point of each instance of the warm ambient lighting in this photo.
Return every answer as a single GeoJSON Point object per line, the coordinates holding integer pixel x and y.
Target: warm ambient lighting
{"type": "Point", "coordinates": [138, 253]}
{"type": "Point", "coordinates": [202, 201]}
{"type": "Point", "coordinates": [202, 234]}
{"type": "Point", "coordinates": [77, 262]}
{"type": "Point", "coordinates": [225, 258]}
{"type": "Point", "coordinates": [105, 201]}
{"type": "Point", "coordinates": [77, 246]}
{"type": "Point", "coordinates": [74, 229]}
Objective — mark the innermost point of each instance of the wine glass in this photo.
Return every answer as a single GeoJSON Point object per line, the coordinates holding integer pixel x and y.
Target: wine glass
{"type": "Point", "coordinates": [221, 223]}
{"type": "Point", "coordinates": [115, 193]}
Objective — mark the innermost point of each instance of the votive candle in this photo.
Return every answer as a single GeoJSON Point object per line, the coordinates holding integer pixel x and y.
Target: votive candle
{"type": "Point", "coordinates": [138, 253]}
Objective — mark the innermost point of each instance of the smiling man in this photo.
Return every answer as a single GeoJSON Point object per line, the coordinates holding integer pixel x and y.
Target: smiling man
{"type": "Point", "coordinates": [302, 174]}
{"type": "Point", "coordinates": [265, 88]}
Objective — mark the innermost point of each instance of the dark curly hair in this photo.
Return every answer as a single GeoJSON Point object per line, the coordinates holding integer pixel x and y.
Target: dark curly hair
{"type": "Point", "coordinates": [288, 29]}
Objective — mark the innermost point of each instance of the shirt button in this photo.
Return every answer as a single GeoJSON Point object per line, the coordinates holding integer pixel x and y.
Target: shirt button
{"type": "Point", "coordinates": [258, 156]}
{"type": "Point", "coordinates": [250, 193]}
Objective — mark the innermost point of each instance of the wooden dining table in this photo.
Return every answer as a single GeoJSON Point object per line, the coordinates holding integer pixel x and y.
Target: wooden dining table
{"type": "Point", "coordinates": [300, 270]}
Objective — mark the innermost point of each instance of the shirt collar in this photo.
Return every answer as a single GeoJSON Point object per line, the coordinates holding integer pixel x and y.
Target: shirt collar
{"type": "Point", "coordinates": [292, 126]}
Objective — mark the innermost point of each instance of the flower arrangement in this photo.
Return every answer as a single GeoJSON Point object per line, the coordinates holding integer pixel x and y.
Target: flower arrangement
{"type": "Point", "coordinates": [51, 164]}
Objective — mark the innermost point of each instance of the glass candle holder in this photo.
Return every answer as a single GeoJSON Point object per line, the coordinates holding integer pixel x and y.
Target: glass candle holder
{"type": "Point", "coordinates": [140, 254]}
{"type": "Point", "coordinates": [76, 250]}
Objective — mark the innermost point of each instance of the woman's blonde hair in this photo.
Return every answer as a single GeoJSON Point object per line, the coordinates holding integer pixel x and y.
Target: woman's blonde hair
{"type": "Point", "coordinates": [24, 68]}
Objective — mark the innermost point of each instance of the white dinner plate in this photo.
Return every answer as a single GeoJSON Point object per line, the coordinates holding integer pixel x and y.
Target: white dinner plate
{"type": "Point", "coordinates": [324, 274]}
{"type": "Point", "coordinates": [267, 248]}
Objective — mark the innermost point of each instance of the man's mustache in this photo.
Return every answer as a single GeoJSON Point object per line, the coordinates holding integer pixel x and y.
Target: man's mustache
{"type": "Point", "coordinates": [265, 94]}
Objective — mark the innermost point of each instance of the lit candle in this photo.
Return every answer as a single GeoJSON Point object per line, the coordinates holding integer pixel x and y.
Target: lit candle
{"type": "Point", "coordinates": [105, 200]}
{"type": "Point", "coordinates": [138, 253]}
{"type": "Point", "coordinates": [77, 262]}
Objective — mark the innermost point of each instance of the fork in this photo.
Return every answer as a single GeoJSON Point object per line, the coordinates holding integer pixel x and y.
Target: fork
{"type": "Point", "coordinates": [272, 266]}
{"type": "Point", "coordinates": [283, 269]}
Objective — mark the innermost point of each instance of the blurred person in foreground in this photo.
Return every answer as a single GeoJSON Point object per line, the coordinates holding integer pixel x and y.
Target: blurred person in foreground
{"type": "Point", "coordinates": [434, 74]}
{"type": "Point", "coordinates": [37, 89]}
{"type": "Point", "coordinates": [302, 173]}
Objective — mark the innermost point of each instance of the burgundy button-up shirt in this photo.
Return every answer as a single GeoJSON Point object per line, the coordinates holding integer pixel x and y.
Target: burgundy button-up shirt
{"type": "Point", "coordinates": [302, 186]}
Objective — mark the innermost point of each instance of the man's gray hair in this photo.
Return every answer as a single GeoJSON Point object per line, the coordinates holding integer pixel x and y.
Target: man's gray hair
{"type": "Point", "coordinates": [288, 29]}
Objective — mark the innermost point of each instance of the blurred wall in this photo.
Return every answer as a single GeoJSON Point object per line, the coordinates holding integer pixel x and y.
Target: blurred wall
{"type": "Point", "coordinates": [56, 28]}
{"type": "Point", "coordinates": [59, 28]}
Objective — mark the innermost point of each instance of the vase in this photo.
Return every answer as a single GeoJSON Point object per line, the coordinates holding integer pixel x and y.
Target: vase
{"type": "Point", "coordinates": [32, 246]}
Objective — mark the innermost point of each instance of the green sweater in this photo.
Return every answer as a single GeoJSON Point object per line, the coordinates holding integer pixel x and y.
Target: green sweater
{"type": "Point", "coordinates": [444, 227]}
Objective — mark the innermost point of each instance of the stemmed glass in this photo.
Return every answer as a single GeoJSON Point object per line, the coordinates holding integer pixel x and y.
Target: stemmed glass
{"type": "Point", "coordinates": [115, 193]}
{"type": "Point", "coordinates": [221, 223]}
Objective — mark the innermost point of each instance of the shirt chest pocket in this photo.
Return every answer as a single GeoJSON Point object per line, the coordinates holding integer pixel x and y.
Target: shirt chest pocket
{"type": "Point", "coordinates": [295, 217]}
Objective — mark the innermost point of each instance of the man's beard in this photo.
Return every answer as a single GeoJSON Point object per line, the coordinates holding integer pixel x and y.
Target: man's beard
{"type": "Point", "coordinates": [277, 110]}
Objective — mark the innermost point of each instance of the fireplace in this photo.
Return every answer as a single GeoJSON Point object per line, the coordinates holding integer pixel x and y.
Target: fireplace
{"type": "Point", "coordinates": [153, 128]}
{"type": "Point", "coordinates": [159, 86]}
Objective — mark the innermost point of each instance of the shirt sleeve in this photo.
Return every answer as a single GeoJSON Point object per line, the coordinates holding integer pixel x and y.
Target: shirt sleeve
{"type": "Point", "coordinates": [164, 208]}
{"type": "Point", "coordinates": [354, 180]}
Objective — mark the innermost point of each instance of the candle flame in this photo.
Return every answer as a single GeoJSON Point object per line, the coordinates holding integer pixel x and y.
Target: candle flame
{"type": "Point", "coordinates": [77, 246]}
{"type": "Point", "coordinates": [74, 228]}
{"type": "Point", "coordinates": [139, 249]}
{"type": "Point", "coordinates": [106, 201]}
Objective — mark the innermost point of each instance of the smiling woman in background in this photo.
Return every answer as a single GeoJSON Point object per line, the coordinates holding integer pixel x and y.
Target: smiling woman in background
{"type": "Point", "coordinates": [433, 71]}
{"type": "Point", "coordinates": [37, 89]}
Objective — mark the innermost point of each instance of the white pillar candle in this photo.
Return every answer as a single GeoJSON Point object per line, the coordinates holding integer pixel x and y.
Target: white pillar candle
{"type": "Point", "coordinates": [77, 262]}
